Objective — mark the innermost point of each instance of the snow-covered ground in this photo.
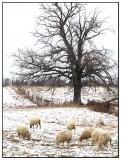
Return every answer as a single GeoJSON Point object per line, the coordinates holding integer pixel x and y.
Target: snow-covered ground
{"type": "Point", "coordinates": [42, 144]}
{"type": "Point", "coordinates": [62, 94]}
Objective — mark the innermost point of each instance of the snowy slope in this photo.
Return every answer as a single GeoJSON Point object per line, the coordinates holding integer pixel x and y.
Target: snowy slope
{"type": "Point", "coordinates": [11, 99]}
{"type": "Point", "coordinates": [62, 94]}
{"type": "Point", "coordinates": [53, 120]}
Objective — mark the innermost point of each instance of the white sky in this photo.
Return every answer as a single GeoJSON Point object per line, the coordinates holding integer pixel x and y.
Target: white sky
{"type": "Point", "coordinates": [19, 20]}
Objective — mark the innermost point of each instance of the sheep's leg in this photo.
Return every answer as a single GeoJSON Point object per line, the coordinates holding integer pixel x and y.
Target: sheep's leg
{"type": "Point", "coordinates": [105, 144]}
{"type": "Point", "coordinates": [97, 149]}
{"type": "Point", "coordinates": [110, 142]}
{"type": "Point", "coordinates": [93, 142]}
{"type": "Point", "coordinates": [40, 125]}
{"type": "Point", "coordinates": [100, 147]}
{"type": "Point", "coordinates": [68, 142]}
{"type": "Point", "coordinates": [19, 135]}
{"type": "Point", "coordinates": [37, 126]}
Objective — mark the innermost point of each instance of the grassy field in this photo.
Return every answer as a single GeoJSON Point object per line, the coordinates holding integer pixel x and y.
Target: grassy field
{"type": "Point", "coordinates": [17, 109]}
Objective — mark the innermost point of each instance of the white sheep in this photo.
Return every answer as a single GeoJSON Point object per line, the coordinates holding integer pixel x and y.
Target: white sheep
{"type": "Point", "coordinates": [86, 134]}
{"type": "Point", "coordinates": [104, 138]}
{"type": "Point", "coordinates": [23, 131]}
{"type": "Point", "coordinates": [35, 121]}
{"type": "Point", "coordinates": [71, 125]}
{"type": "Point", "coordinates": [64, 136]}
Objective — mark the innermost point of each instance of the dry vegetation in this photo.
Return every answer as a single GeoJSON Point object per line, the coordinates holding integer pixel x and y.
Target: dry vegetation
{"type": "Point", "coordinates": [104, 106]}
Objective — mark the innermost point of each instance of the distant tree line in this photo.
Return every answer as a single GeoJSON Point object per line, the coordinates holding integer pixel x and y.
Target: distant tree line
{"type": "Point", "coordinates": [40, 82]}
{"type": "Point", "coordinates": [6, 82]}
{"type": "Point", "coordinates": [52, 81]}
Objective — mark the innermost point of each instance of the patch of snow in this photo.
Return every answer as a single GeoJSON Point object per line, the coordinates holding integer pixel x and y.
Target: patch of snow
{"type": "Point", "coordinates": [11, 99]}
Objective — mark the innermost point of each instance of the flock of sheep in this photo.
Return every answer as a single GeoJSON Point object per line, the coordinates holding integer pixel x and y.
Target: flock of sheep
{"type": "Point", "coordinates": [98, 137]}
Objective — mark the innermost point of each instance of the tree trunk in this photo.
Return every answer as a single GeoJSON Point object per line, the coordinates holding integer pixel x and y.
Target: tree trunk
{"type": "Point", "coordinates": [77, 93]}
{"type": "Point", "coordinates": [77, 89]}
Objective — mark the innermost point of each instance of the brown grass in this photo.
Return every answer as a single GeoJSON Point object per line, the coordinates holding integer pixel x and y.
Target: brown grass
{"type": "Point", "coordinates": [105, 107]}
{"type": "Point", "coordinates": [47, 106]}
{"type": "Point", "coordinates": [17, 90]}
{"type": "Point", "coordinates": [99, 106]}
{"type": "Point", "coordinates": [13, 139]}
{"type": "Point", "coordinates": [77, 145]}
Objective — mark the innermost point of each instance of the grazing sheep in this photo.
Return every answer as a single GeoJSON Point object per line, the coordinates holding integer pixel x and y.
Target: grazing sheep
{"type": "Point", "coordinates": [95, 136]}
{"type": "Point", "coordinates": [71, 126]}
{"type": "Point", "coordinates": [104, 138]}
{"type": "Point", "coordinates": [86, 134]}
{"type": "Point", "coordinates": [100, 123]}
{"type": "Point", "coordinates": [35, 121]}
{"type": "Point", "coordinates": [23, 131]}
{"type": "Point", "coordinates": [64, 136]}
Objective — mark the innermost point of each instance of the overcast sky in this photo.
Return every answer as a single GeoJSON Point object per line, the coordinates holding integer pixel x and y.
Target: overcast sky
{"type": "Point", "coordinates": [19, 20]}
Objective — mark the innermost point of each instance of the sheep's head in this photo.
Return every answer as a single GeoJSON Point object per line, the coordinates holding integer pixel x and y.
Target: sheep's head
{"type": "Point", "coordinates": [30, 125]}
{"type": "Point", "coordinates": [81, 138]}
{"type": "Point", "coordinates": [73, 127]}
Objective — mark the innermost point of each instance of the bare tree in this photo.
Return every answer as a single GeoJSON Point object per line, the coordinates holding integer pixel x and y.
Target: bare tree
{"type": "Point", "coordinates": [67, 36]}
